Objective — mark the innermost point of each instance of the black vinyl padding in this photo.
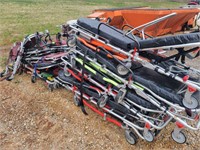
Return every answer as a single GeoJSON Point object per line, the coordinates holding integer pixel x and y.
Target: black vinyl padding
{"type": "Point", "coordinates": [117, 37]}
{"type": "Point", "coordinates": [163, 86]}
{"type": "Point", "coordinates": [171, 40]}
{"type": "Point", "coordinates": [131, 95]}
{"type": "Point", "coordinates": [114, 35]}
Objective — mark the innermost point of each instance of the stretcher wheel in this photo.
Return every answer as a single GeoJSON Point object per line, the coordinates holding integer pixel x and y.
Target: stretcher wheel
{"type": "Point", "coordinates": [9, 78]}
{"type": "Point", "coordinates": [194, 103]}
{"type": "Point", "coordinates": [56, 86]}
{"type": "Point", "coordinates": [71, 41]}
{"type": "Point", "coordinates": [50, 87]}
{"type": "Point", "coordinates": [180, 138]}
{"type": "Point", "coordinates": [76, 101]}
{"type": "Point", "coordinates": [130, 137]}
{"type": "Point", "coordinates": [121, 70]}
{"type": "Point", "coordinates": [33, 79]}
{"type": "Point", "coordinates": [102, 101]}
{"type": "Point", "coordinates": [148, 136]}
{"type": "Point", "coordinates": [2, 74]}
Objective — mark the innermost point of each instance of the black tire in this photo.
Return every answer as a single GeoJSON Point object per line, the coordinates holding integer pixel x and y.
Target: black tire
{"type": "Point", "coordinates": [33, 79]}
{"type": "Point", "coordinates": [8, 78]}
{"type": "Point", "coordinates": [2, 74]}
{"type": "Point", "coordinates": [50, 87]}
{"type": "Point", "coordinates": [130, 137]}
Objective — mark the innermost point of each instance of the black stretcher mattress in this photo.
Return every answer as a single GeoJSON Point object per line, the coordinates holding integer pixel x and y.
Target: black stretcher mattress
{"type": "Point", "coordinates": [163, 86]}
{"type": "Point", "coordinates": [116, 37]}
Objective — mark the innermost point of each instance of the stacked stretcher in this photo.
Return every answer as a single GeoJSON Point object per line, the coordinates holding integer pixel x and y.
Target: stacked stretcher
{"type": "Point", "coordinates": [121, 76]}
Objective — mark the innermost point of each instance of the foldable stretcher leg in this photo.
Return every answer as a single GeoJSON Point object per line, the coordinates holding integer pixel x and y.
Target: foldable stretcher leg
{"type": "Point", "coordinates": [189, 100]}
{"type": "Point", "coordinates": [148, 135]}
{"type": "Point", "coordinates": [177, 134]}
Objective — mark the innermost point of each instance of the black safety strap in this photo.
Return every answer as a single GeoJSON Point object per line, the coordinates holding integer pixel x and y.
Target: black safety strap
{"type": "Point", "coordinates": [48, 36]}
{"type": "Point", "coordinates": [58, 37]}
{"type": "Point", "coordinates": [192, 57]}
{"type": "Point", "coordinates": [38, 40]}
{"type": "Point", "coordinates": [81, 86]}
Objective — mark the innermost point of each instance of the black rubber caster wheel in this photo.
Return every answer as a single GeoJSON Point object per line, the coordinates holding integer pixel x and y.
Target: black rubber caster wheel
{"type": "Point", "coordinates": [130, 137]}
{"type": "Point", "coordinates": [2, 74]}
{"type": "Point", "coordinates": [9, 78]}
{"type": "Point", "coordinates": [33, 79]}
{"type": "Point", "coordinates": [50, 87]}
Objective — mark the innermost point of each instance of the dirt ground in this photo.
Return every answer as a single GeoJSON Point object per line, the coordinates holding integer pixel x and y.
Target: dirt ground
{"type": "Point", "coordinates": [31, 117]}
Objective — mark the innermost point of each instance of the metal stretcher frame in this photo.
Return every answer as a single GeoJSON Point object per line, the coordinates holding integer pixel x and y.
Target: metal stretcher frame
{"type": "Point", "coordinates": [136, 57]}
{"type": "Point", "coordinates": [128, 123]}
{"type": "Point", "coordinates": [157, 104]}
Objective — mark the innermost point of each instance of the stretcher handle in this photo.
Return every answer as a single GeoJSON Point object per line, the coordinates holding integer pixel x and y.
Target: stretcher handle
{"type": "Point", "coordinates": [126, 25]}
{"type": "Point", "coordinates": [146, 25]}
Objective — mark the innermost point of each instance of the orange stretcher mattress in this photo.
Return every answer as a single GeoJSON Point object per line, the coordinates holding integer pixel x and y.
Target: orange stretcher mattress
{"type": "Point", "coordinates": [141, 15]}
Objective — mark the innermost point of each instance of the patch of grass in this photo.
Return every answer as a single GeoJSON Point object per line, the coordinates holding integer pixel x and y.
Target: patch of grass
{"type": "Point", "coordinates": [21, 17]}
